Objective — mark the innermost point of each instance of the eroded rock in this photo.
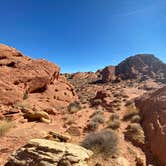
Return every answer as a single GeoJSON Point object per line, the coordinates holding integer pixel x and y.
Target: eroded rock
{"type": "Point", "coordinates": [153, 109]}
{"type": "Point", "coordinates": [49, 153]}
{"type": "Point", "coordinates": [32, 82]}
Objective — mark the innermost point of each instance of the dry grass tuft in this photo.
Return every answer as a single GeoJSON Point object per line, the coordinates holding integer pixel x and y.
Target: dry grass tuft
{"type": "Point", "coordinates": [135, 119]}
{"type": "Point", "coordinates": [5, 126]}
{"type": "Point", "coordinates": [130, 112]}
{"type": "Point", "coordinates": [114, 122]}
{"type": "Point", "coordinates": [135, 134]}
{"type": "Point", "coordinates": [74, 107]}
{"type": "Point", "coordinates": [102, 142]}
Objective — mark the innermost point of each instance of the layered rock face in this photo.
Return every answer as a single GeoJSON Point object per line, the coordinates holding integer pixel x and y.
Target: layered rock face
{"type": "Point", "coordinates": [34, 82]}
{"type": "Point", "coordinates": [153, 109]}
{"type": "Point", "coordinates": [141, 65]}
{"type": "Point", "coordinates": [50, 153]}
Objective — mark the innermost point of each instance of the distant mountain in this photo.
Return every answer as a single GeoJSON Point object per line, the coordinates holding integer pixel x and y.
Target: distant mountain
{"type": "Point", "coordinates": [138, 66]}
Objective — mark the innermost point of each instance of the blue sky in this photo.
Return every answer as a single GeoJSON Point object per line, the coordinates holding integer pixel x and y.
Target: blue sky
{"type": "Point", "coordinates": [84, 35]}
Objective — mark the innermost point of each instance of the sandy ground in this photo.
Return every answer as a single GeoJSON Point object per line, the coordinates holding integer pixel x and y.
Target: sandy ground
{"type": "Point", "coordinates": [23, 132]}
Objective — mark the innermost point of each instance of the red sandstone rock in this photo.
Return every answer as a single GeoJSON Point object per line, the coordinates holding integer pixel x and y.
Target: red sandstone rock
{"type": "Point", "coordinates": [141, 65]}
{"type": "Point", "coordinates": [153, 109]}
{"type": "Point", "coordinates": [108, 74]}
{"type": "Point", "coordinates": [102, 98]}
{"type": "Point", "coordinates": [31, 82]}
{"type": "Point", "coordinates": [84, 75]}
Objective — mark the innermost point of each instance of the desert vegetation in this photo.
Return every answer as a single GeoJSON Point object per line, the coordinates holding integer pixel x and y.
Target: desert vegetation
{"type": "Point", "coordinates": [5, 126]}
{"type": "Point", "coordinates": [105, 141]}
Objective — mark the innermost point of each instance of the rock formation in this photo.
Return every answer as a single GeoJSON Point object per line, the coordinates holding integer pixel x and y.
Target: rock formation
{"type": "Point", "coordinates": [141, 65]}
{"type": "Point", "coordinates": [50, 153]}
{"type": "Point", "coordinates": [108, 74]}
{"type": "Point", "coordinates": [36, 83]}
{"type": "Point", "coordinates": [102, 98]}
{"type": "Point", "coordinates": [153, 109]}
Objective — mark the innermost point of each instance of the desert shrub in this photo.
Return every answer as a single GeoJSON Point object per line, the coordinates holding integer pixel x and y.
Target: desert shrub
{"type": "Point", "coordinates": [68, 120]}
{"type": "Point", "coordinates": [74, 131]}
{"type": "Point", "coordinates": [104, 141]}
{"type": "Point", "coordinates": [136, 119]}
{"type": "Point", "coordinates": [96, 102]}
{"type": "Point", "coordinates": [129, 102]}
{"type": "Point", "coordinates": [5, 126]}
{"type": "Point", "coordinates": [134, 127]}
{"type": "Point", "coordinates": [97, 112]}
{"type": "Point", "coordinates": [113, 117]}
{"type": "Point", "coordinates": [25, 96]}
{"type": "Point", "coordinates": [117, 100]}
{"type": "Point", "coordinates": [135, 134]}
{"type": "Point", "coordinates": [117, 94]}
{"type": "Point", "coordinates": [98, 118]}
{"type": "Point", "coordinates": [92, 126]}
{"type": "Point", "coordinates": [115, 124]}
{"type": "Point", "coordinates": [74, 107]}
{"type": "Point", "coordinates": [130, 112]}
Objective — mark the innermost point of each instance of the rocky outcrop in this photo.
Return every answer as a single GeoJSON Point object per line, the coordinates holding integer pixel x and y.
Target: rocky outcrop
{"type": "Point", "coordinates": [27, 81]}
{"type": "Point", "coordinates": [102, 98]}
{"type": "Point", "coordinates": [141, 65]}
{"type": "Point", "coordinates": [50, 153]}
{"type": "Point", "coordinates": [153, 109]}
{"type": "Point", "coordinates": [84, 75]}
{"type": "Point", "coordinates": [108, 74]}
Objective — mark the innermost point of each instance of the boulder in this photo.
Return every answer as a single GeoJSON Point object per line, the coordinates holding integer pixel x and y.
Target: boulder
{"type": "Point", "coordinates": [40, 116]}
{"type": "Point", "coordinates": [49, 153]}
{"type": "Point", "coordinates": [108, 74]}
{"type": "Point", "coordinates": [153, 110]}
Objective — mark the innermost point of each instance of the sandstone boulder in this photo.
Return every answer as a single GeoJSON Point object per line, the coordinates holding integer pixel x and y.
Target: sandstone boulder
{"type": "Point", "coordinates": [40, 116]}
{"type": "Point", "coordinates": [108, 74]}
{"type": "Point", "coordinates": [42, 152]}
{"type": "Point", "coordinates": [153, 109]}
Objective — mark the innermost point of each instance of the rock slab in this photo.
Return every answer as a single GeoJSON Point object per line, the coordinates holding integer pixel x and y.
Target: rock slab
{"type": "Point", "coordinates": [42, 152]}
